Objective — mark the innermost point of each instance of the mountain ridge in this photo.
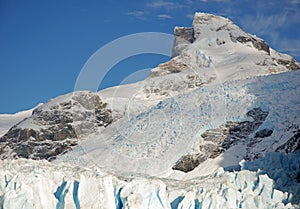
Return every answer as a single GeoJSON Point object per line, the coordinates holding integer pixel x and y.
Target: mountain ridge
{"type": "Point", "coordinates": [224, 104]}
{"type": "Point", "coordinates": [195, 65]}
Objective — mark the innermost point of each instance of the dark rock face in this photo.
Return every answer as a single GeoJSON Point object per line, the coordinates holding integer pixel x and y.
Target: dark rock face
{"type": "Point", "coordinates": [289, 64]}
{"type": "Point", "coordinates": [242, 130]}
{"type": "Point", "coordinates": [214, 138]}
{"type": "Point", "coordinates": [220, 42]}
{"type": "Point", "coordinates": [263, 133]}
{"type": "Point", "coordinates": [231, 133]}
{"type": "Point", "coordinates": [292, 144]}
{"type": "Point", "coordinates": [55, 128]}
{"type": "Point", "coordinates": [186, 33]}
{"type": "Point", "coordinates": [183, 37]}
{"type": "Point", "coordinates": [227, 135]}
{"type": "Point", "coordinates": [187, 163]}
{"type": "Point", "coordinates": [216, 141]}
{"type": "Point", "coordinates": [257, 43]}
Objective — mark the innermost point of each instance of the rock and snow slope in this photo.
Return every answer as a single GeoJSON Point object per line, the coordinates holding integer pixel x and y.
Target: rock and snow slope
{"type": "Point", "coordinates": [212, 52]}
{"type": "Point", "coordinates": [8, 120]}
{"type": "Point", "coordinates": [262, 113]}
{"type": "Point", "coordinates": [225, 96]}
{"type": "Point", "coordinates": [53, 128]}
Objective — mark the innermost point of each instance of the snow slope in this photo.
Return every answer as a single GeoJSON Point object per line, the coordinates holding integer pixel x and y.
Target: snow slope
{"type": "Point", "coordinates": [216, 77]}
{"type": "Point", "coordinates": [8, 120]}
{"type": "Point", "coordinates": [152, 141]}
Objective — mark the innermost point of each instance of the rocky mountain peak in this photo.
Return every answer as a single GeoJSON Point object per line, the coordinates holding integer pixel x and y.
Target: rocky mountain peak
{"type": "Point", "coordinates": [204, 22]}
{"type": "Point", "coordinates": [183, 36]}
{"type": "Point", "coordinates": [213, 41]}
{"type": "Point", "coordinates": [206, 25]}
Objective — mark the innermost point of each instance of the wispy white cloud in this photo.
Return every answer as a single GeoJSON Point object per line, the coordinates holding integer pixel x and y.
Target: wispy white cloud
{"type": "Point", "coordinates": [290, 46]}
{"type": "Point", "coordinates": [168, 5]}
{"type": "Point", "coordinates": [263, 23]}
{"type": "Point", "coordinates": [164, 16]}
{"type": "Point", "coordinates": [295, 1]}
{"type": "Point", "coordinates": [271, 20]}
{"type": "Point", "coordinates": [190, 16]}
{"type": "Point", "coordinates": [205, 1]}
{"type": "Point", "coordinates": [137, 14]}
{"type": "Point", "coordinates": [270, 25]}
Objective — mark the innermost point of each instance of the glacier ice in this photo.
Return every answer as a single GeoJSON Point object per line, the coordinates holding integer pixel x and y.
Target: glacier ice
{"type": "Point", "coordinates": [264, 183]}
{"type": "Point", "coordinates": [282, 168]}
{"type": "Point", "coordinates": [173, 128]}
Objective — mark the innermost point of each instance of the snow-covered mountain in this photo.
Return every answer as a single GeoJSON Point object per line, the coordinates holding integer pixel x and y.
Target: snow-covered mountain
{"type": "Point", "coordinates": [225, 101]}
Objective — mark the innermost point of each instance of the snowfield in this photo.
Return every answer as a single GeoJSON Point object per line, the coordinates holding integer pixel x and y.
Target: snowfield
{"type": "Point", "coordinates": [152, 142]}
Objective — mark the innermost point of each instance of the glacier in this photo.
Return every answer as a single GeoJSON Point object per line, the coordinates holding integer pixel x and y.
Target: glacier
{"type": "Point", "coordinates": [269, 182]}
{"type": "Point", "coordinates": [160, 134]}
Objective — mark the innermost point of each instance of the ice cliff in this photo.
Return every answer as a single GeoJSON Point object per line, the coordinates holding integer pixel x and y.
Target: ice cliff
{"type": "Point", "coordinates": [27, 184]}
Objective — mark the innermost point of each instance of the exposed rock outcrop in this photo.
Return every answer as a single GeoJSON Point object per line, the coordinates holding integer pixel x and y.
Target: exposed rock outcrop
{"type": "Point", "coordinates": [257, 43]}
{"type": "Point", "coordinates": [263, 133]}
{"type": "Point", "coordinates": [216, 141]}
{"type": "Point", "coordinates": [55, 127]}
{"type": "Point", "coordinates": [188, 162]}
{"type": "Point", "coordinates": [290, 64]}
{"type": "Point", "coordinates": [292, 144]}
{"type": "Point", "coordinates": [213, 37]}
{"type": "Point", "coordinates": [183, 36]}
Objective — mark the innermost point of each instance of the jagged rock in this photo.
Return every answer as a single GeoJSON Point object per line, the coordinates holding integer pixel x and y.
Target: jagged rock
{"type": "Point", "coordinates": [263, 133]}
{"type": "Point", "coordinates": [243, 129]}
{"type": "Point", "coordinates": [216, 141]}
{"type": "Point", "coordinates": [60, 123]}
{"type": "Point", "coordinates": [222, 24]}
{"type": "Point", "coordinates": [172, 66]}
{"type": "Point", "coordinates": [188, 162]}
{"type": "Point", "coordinates": [292, 144]}
{"type": "Point", "coordinates": [290, 64]}
{"type": "Point", "coordinates": [183, 37]}
{"type": "Point", "coordinates": [257, 114]}
{"type": "Point", "coordinates": [210, 37]}
{"type": "Point", "coordinates": [257, 43]}
{"type": "Point", "coordinates": [186, 33]}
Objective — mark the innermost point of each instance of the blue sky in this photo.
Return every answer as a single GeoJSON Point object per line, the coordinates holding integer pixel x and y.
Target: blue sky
{"type": "Point", "coordinates": [44, 44]}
